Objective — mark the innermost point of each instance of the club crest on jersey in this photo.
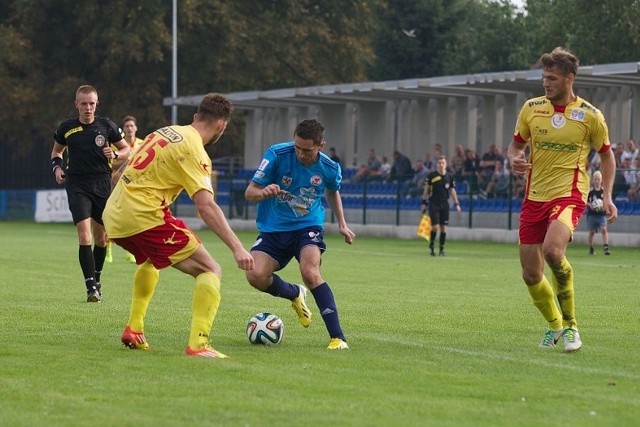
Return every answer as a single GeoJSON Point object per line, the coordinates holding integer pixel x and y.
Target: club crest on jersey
{"type": "Point", "coordinates": [286, 181]}
{"type": "Point", "coordinates": [316, 180]}
{"type": "Point", "coordinates": [558, 121]}
{"type": "Point", "coordinates": [577, 115]}
{"type": "Point", "coordinates": [100, 140]}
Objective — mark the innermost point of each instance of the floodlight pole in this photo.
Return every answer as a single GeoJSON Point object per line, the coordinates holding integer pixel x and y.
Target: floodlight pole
{"type": "Point", "coordinates": [174, 67]}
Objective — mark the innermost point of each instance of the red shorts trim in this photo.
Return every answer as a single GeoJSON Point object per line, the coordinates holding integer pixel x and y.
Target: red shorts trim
{"type": "Point", "coordinates": [164, 245]}
{"type": "Point", "coordinates": [536, 217]}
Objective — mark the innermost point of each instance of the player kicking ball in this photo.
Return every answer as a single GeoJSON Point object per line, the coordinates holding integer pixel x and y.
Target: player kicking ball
{"type": "Point", "coordinates": [288, 187]}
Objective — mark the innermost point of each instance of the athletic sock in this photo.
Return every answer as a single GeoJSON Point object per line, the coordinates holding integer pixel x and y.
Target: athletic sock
{"type": "Point", "coordinates": [432, 240]}
{"type": "Point", "coordinates": [443, 239]}
{"type": "Point", "coordinates": [99, 255]}
{"type": "Point", "coordinates": [562, 279]}
{"type": "Point", "coordinates": [204, 307]}
{"type": "Point", "coordinates": [145, 280]}
{"type": "Point", "coordinates": [543, 298]}
{"type": "Point", "coordinates": [282, 289]}
{"type": "Point", "coordinates": [327, 305]}
{"type": "Point", "coordinates": [87, 264]}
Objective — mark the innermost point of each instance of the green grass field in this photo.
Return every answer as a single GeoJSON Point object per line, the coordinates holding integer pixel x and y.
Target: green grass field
{"type": "Point", "coordinates": [434, 342]}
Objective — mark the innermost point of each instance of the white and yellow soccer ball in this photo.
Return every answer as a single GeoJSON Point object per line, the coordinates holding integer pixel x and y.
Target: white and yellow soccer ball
{"type": "Point", "coordinates": [266, 329]}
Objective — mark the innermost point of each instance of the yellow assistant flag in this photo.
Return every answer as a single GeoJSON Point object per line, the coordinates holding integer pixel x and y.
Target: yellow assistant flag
{"type": "Point", "coordinates": [424, 228]}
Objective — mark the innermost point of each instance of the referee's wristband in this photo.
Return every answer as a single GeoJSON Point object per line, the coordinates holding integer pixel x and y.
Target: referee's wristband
{"type": "Point", "coordinates": [56, 162]}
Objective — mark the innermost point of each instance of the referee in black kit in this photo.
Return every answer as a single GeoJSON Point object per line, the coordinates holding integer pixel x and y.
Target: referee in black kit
{"type": "Point", "coordinates": [88, 139]}
{"type": "Point", "coordinates": [438, 186]}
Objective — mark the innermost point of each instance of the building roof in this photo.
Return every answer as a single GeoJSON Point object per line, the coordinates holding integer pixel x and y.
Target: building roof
{"type": "Point", "coordinates": [605, 76]}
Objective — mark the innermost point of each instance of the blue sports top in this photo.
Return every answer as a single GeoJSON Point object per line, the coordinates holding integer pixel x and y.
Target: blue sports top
{"type": "Point", "coordinates": [301, 206]}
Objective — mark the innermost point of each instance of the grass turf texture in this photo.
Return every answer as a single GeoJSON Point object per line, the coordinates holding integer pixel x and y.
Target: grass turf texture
{"type": "Point", "coordinates": [438, 341]}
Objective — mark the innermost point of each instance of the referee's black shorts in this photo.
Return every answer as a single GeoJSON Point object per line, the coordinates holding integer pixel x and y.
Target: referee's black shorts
{"type": "Point", "coordinates": [439, 214]}
{"type": "Point", "coordinates": [88, 197]}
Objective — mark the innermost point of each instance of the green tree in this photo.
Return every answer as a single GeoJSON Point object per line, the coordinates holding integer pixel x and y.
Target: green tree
{"type": "Point", "coordinates": [486, 36]}
{"type": "Point", "coordinates": [64, 44]}
{"type": "Point", "coordinates": [597, 32]}
{"type": "Point", "coordinates": [429, 38]}
{"type": "Point", "coordinates": [124, 49]}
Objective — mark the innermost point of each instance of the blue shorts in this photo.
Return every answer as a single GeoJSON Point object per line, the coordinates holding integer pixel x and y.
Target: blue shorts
{"type": "Point", "coordinates": [283, 246]}
{"type": "Point", "coordinates": [595, 222]}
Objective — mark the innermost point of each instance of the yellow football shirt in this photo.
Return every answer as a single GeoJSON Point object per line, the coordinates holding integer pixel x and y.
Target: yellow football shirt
{"type": "Point", "coordinates": [560, 139]}
{"type": "Point", "coordinates": [170, 160]}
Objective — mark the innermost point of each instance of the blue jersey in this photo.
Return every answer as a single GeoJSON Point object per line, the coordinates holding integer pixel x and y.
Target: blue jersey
{"type": "Point", "coordinates": [301, 206]}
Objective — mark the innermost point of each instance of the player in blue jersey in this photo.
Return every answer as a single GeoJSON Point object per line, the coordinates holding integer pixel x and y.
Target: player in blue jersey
{"type": "Point", "coordinates": [288, 187]}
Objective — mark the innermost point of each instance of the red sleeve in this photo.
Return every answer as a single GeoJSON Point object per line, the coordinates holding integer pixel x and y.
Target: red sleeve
{"type": "Point", "coordinates": [519, 139]}
{"type": "Point", "coordinates": [605, 148]}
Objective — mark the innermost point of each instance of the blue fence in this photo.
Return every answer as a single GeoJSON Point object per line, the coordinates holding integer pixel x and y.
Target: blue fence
{"type": "Point", "coordinates": [361, 196]}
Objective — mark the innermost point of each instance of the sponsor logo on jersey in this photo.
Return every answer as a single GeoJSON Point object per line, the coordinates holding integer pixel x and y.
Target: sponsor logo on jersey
{"type": "Point", "coordinates": [558, 120]}
{"type": "Point", "coordinates": [263, 164]}
{"type": "Point", "coordinates": [259, 175]}
{"type": "Point", "coordinates": [72, 131]}
{"type": "Point", "coordinates": [170, 134]}
{"type": "Point", "coordinates": [588, 107]}
{"type": "Point", "coordinates": [539, 102]}
{"type": "Point", "coordinates": [556, 146]}
{"type": "Point", "coordinates": [100, 140]}
{"type": "Point", "coordinates": [540, 131]}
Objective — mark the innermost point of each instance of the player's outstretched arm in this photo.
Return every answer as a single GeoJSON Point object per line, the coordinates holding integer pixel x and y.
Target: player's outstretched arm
{"type": "Point", "coordinates": [333, 197]}
{"type": "Point", "coordinates": [213, 216]}
{"type": "Point", "coordinates": [608, 168]}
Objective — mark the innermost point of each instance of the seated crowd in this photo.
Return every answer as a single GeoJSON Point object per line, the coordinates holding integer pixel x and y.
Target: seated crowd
{"type": "Point", "coordinates": [488, 176]}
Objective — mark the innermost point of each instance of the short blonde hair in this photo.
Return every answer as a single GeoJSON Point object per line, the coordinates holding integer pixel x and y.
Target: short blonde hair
{"type": "Point", "coordinates": [596, 174]}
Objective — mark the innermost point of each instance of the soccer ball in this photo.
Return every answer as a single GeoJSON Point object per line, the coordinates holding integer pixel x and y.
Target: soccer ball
{"type": "Point", "coordinates": [597, 205]}
{"type": "Point", "coordinates": [265, 328]}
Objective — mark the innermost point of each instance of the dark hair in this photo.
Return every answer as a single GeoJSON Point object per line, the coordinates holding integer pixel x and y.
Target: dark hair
{"type": "Point", "coordinates": [310, 129]}
{"type": "Point", "coordinates": [215, 106]}
{"type": "Point", "coordinates": [129, 119]}
{"type": "Point", "coordinates": [560, 59]}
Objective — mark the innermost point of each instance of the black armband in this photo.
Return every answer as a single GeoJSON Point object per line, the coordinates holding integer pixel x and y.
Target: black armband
{"type": "Point", "coordinates": [56, 162]}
